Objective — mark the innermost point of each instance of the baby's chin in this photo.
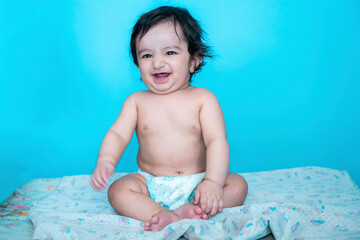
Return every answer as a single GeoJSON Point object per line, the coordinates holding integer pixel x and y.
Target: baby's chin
{"type": "Point", "coordinates": [166, 90]}
{"type": "Point", "coordinates": [162, 92]}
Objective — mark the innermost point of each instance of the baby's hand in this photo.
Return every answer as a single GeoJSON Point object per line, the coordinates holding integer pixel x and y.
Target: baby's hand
{"type": "Point", "coordinates": [210, 196]}
{"type": "Point", "coordinates": [101, 174]}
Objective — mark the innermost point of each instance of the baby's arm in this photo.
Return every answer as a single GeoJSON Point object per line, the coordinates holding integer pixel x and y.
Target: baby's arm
{"type": "Point", "coordinates": [114, 143]}
{"type": "Point", "coordinates": [210, 192]}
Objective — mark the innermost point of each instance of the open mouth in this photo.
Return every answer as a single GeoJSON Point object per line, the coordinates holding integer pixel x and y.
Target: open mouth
{"type": "Point", "coordinates": [160, 77]}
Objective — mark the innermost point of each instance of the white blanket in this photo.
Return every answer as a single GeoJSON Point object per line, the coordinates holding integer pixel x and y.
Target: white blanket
{"type": "Point", "coordinates": [300, 203]}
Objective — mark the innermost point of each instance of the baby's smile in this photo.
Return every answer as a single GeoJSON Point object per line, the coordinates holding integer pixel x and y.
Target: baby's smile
{"type": "Point", "coordinates": [161, 77]}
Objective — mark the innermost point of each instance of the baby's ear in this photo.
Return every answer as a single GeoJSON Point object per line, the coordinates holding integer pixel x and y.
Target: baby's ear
{"type": "Point", "coordinates": [198, 59]}
{"type": "Point", "coordinates": [195, 62]}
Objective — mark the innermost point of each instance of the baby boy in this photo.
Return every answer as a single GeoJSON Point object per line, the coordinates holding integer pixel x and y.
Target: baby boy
{"type": "Point", "coordinates": [183, 155]}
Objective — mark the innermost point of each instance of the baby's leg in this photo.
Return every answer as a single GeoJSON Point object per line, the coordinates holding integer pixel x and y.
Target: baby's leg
{"type": "Point", "coordinates": [235, 190]}
{"type": "Point", "coordinates": [129, 196]}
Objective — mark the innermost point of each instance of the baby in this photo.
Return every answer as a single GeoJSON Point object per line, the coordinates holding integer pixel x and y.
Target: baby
{"type": "Point", "coordinates": [183, 155]}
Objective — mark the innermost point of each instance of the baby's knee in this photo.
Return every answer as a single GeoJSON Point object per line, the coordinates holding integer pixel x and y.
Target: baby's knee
{"type": "Point", "coordinates": [121, 188]}
{"type": "Point", "coordinates": [115, 191]}
{"type": "Point", "coordinates": [238, 184]}
{"type": "Point", "coordinates": [242, 185]}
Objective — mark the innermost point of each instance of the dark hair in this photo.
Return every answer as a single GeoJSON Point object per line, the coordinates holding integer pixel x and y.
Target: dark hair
{"type": "Point", "coordinates": [191, 29]}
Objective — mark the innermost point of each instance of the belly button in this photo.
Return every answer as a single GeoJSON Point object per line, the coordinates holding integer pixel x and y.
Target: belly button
{"type": "Point", "coordinates": [180, 173]}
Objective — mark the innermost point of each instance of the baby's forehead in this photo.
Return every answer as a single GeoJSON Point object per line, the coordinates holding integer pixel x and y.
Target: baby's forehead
{"type": "Point", "coordinates": [170, 24]}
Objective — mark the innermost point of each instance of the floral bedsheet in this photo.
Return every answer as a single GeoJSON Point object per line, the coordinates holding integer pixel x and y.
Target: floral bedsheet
{"type": "Point", "coordinates": [14, 220]}
{"type": "Point", "coordinates": [299, 203]}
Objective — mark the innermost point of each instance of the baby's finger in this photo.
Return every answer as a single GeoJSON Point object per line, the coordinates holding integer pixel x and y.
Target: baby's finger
{"type": "Point", "coordinates": [104, 176]}
{"type": "Point", "coordinates": [95, 184]}
{"type": "Point", "coordinates": [96, 178]}
{"type": "Point", "coordinates": [214, 209]}
{"type": "Point", "coordinates": [209, 206]}
{"type": "Point", "coordinates": [98, 181]}
{"type": "Point", "coordinates": [197, 197]}
{"type": "Point", "coordinates": [221, 206]}
{"type": "Point", "coordinates": [203, 202]}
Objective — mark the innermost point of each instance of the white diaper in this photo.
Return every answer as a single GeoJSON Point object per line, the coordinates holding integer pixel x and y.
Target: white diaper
{"type": "Point", "coordinates": [174, 191]}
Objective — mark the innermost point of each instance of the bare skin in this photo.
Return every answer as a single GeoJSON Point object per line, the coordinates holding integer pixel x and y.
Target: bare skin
{"type": "Point", "coordinates": [164, 218]}
{"type": "Point", "coordinates": [180, 130]}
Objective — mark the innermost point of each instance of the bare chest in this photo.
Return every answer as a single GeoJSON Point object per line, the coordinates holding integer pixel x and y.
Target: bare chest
{"type": "Point", "coordinates": [168, 116]}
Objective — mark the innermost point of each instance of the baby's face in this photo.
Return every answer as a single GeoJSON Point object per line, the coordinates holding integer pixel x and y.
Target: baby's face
{"type": "Point", "coordinates": [163, 59]}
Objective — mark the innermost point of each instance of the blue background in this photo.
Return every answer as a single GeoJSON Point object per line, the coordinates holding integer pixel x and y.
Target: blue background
{"type": "Point", "coordinates": [286, 74]}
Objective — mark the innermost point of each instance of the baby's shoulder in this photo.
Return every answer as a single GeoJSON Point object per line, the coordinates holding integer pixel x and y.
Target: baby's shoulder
{"type": "Point", "coordinates": [135, 99]}
{"type": "Point", "coordinates": [203, 93]}
{"type": "Point", "coordinates": [138, 96]}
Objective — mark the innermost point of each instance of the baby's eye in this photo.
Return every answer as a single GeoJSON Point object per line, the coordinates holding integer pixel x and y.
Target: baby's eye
{"type": "Point", "coordinates": [170, 53]}
{"type": "Point", "coordinates": [146, 56]}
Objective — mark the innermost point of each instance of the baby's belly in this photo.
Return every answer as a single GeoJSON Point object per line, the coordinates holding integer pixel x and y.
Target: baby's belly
{"type": "Point", "coordinates": [177, 159]}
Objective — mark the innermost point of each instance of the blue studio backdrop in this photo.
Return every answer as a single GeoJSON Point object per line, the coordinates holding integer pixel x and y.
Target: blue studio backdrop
{"type": "Point", "coordinates": [286, 74]}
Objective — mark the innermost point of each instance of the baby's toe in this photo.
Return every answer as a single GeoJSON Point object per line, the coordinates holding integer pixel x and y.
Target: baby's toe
{"type": "Point", "coordinates": [204, 216]}
{"type": "Point", "coordinates": [197, 210]}
{"type": "Point", "coordinates": [155, 219]}
{"type": "Point", "coordinates": [147, 225]}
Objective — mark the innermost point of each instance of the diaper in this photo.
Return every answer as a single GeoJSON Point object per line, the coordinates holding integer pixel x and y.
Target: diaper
{"type": "Point", "coordinates": [174, 191]}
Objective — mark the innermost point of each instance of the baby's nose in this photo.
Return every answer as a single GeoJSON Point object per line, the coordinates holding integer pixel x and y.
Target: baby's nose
{"type": "Point", "coordinates": [158, 62]}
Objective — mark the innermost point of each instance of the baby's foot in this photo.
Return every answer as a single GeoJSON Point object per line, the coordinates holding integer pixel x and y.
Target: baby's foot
{"type": "Point", "coordinates": [191, 211]}
{"type": "Point", "coordinates": [161, 220]}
